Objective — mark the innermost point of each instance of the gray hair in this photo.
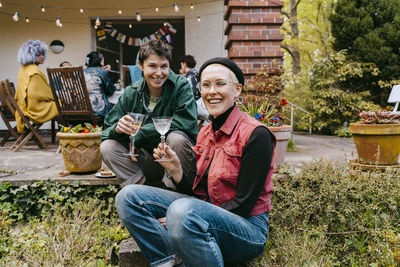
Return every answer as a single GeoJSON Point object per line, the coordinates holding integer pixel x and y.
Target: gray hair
{"type": "Point", "coordinates": [30, 50]}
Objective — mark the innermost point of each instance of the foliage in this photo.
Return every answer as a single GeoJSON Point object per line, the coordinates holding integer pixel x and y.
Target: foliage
{"type": "Point", "coordinates": [306, 28]}
{"type": "Point", "coordinates": [37, 199]}
{"type": "Point", "coordinates": [370, 31]}
{"type": "Point", "coordinates": [54, 224]}
{"type": "Point", "coordinates": [379, 117]}
{"type": "Point", "coordinates": [69, 236]}
{"type": "Point", "coordinates": [88, 128]}
{"type": "Point", "coordinates": [332, 104]}
{"type": "Point", "coordinates": [291, 146]}
{"type": "Point", "coordinates": [264, 112]}
{"type": "Point", "coordinates": [262, 98]}
{"type": "Point", "coordinates": [343, 131]}
{"type": "Point", "coordinates": [353, 215]}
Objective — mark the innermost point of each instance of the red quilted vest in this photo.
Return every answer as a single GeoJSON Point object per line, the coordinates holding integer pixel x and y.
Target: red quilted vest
{"type": "Point", "coordinates": [225, 150]}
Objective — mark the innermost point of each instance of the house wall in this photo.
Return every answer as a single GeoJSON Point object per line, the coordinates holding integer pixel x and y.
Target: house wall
{"type": "Point", "coordinates": [204, 39]}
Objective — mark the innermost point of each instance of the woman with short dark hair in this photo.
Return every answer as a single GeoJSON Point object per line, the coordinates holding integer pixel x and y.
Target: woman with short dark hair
{"type": "Point", "coordinates": [33, 93]}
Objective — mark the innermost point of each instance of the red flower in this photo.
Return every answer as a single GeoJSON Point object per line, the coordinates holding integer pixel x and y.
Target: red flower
{"type": "Point", "coordinates": [283, 102]}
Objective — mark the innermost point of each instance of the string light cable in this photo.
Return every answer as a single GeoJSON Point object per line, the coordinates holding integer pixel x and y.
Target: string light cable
{"type": "Point", "coordinates": [80, 10]}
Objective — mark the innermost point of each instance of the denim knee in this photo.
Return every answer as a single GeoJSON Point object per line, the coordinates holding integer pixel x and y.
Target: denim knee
{"type": "Point", "coordinates": [181, 217]}
{"type": "Point", "coordinates": [124, 196]}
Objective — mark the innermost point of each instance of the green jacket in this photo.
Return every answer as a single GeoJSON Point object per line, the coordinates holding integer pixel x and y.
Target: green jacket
{"type": "Point", "coordinates": [176, 100]}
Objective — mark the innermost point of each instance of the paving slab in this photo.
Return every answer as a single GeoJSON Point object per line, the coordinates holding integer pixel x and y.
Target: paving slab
{"type": "Point", "coordinates": [34, 164]}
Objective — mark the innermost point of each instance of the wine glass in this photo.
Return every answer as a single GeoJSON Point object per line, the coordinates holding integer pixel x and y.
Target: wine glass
{"type": "Point", "coordinates": [162, 125]}
{"type": "Point", "coordinates": [137, 122]}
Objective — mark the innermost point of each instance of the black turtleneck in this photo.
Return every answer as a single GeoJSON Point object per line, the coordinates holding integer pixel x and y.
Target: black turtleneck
{"type": "Point", "coordinates": [256, 160]}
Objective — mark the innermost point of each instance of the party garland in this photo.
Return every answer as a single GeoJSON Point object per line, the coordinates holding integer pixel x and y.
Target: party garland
{"type": "Point", "coordinates": [164, 32]}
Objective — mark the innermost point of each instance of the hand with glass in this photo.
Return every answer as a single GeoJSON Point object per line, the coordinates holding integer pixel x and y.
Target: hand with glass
{"type": "Point", "coordinates": [162, 125]}
{"type": "Point", "coordinates": [136, 122]}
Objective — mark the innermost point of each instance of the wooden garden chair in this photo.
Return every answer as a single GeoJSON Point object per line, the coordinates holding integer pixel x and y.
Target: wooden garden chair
{"type": "Point", "coordinates": [126, 76]}
{"type": "Point", "coordinates": [72, 99]}
{"type": "Point", "coordinates": [31, 129]}
{"type": "Point", "coordinates": [7, 116]}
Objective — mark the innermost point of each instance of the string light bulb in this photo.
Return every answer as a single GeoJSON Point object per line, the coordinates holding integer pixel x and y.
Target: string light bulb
{"type": "Point", "coordinates": [198, 18]}
{"type": "Point", "coordinates": [97, 23]}
{"type": "Point", "coordinates": [138, 17]}
{"type": "Point", "coordinates": [43, 9]}
{"type": "Point", "coordinates": [60, 25]}
{"type": "Point", "coordinates": [27, 20]}
{"type": "Point", "coordinates": [176, 7]}
{"type": "Point", "coordinates": [130, 26]}
{"type": "Point", "coordinates": [120, 11]}
{"type": "Point", "coordinates": [191, 6]}
{"type": "Point", "coordinates": [157, 9]}
{"type": "Point", "coordinates": [1, 5]}
{"type": "Point", "coordinates": [16, 16]}
{"type": "Point", "coordinates": [81, 10]}
{"type": "Point", "coordinates": [95, 26]}
{"type": "Point", "coordinates": [58, 21]}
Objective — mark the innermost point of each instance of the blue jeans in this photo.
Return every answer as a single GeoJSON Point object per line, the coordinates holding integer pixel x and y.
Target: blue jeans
{"type": "Point", "coordinates": [201, 233]}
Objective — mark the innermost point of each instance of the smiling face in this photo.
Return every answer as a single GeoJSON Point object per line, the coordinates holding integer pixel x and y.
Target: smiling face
{"type": "Point", "coordinates": [155, 70]}
{"type": "Point", "coordinates": [219, 88]}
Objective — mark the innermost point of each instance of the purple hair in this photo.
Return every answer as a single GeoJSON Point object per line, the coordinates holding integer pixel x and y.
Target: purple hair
{"type": "Point", "coordinates": [30, 50]}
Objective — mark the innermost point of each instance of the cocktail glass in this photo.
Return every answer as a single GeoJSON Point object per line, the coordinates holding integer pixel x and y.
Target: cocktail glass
{"type": "Point", "coordinates": [162, 125]}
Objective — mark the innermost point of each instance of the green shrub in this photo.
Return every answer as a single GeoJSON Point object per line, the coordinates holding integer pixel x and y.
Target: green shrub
{"type": "Point", "coordinates": [336, 94]}
{"type": "Point", "coordinates": [350, 208]}
{"type": "Point", "coordinates": [38, 198]}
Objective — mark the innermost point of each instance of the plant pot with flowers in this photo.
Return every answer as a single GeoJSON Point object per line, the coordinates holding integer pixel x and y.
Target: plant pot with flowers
{"type": "Point", "coordinates": [262, 99]}
{"type": "Point", "coordinates": [377, 138]}
{"type": "Point", "coordinates": [80, 146]}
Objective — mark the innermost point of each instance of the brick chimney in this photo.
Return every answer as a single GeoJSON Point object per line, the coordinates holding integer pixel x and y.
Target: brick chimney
{"type": "Point", "coordinates": [253, 31]}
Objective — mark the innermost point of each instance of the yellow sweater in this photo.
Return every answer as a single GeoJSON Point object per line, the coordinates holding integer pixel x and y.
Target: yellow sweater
{"type": "Point", "coordinates": [34, 96]}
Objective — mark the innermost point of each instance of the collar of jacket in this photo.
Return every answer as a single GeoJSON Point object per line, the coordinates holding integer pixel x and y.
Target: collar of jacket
{"type": "Point", "coordinates": [230, 123]}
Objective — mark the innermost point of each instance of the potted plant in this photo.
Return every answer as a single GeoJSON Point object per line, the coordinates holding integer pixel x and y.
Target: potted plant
{"type": "Point", "coordinates": [262, 99]}
{"type": "Point", "coordinates": [80, 146]}
{"type": "Point", "coordinates": [266, 112]}
{"type": "Point", "coordinates": [377, 137]}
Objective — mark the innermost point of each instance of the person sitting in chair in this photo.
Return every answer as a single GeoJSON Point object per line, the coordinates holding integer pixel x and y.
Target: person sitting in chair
{"type": "Point", "coordinates": [33, 93]}
{"type": "Point", "coordinates": [98, 83]}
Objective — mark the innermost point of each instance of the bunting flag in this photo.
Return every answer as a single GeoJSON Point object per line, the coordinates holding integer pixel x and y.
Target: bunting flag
{"type": "Point", "coordinates": [119, 36]}
{"type": "Point", "coordinates": [169, 39]}
{"type": "Point", "coordinates": [108, 28]}
{"type": "Point", "coordinates": [164, 32]}
{"type": "Point", "coordinates": [113, 32]}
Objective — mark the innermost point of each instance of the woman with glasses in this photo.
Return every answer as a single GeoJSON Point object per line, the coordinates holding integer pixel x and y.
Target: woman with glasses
{"type": "Point", "coordinates": [221, 214]}
{"type": "Point", "coordinates": [98, 83]}
{"type": "Point", "coordinates": [33, 93]}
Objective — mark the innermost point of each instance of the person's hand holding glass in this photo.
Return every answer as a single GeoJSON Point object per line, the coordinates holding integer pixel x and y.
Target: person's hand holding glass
{"type": "Point", "coordinates": [162, 125]}
{"type": "Point", "coordinates": [136, 120]}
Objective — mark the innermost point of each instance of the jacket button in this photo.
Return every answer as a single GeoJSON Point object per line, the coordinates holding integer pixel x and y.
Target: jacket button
{"type": "Point", "coordinates": [207, 157]}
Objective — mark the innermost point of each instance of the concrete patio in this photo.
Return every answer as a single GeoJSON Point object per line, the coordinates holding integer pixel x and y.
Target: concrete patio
{"type": "Point", "coordinates": [34, 164]}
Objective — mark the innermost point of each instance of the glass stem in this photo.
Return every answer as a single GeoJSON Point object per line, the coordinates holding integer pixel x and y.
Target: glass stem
{"type": "Point", "coordinates": [162, 143]}
{"type": "Point", "coordinates": [133, 143]}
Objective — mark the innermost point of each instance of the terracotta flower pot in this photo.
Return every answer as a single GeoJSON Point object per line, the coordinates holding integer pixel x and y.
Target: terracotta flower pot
{"type": "Point", "coordinates": [377, 143]}
{"type": "Point", "coordinates": [81, 151]}
{"type": "Point", "coordinates": [282, 135]}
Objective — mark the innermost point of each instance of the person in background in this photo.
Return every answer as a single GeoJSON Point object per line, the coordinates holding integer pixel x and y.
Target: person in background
{"type": "Point", "coordinates": [33, 94]}
{"type": "Point", "coordinates": [65, 64]}
{"type": "Point", "coordinates": [192, 75]}
{"type": "Point", "coordinates": [159, 93]}
{"type": "Point", "coordinates": [221, 212]}
{"type": "Point", "coordinates": [187, 69]}
{"type": "Point", "coordinates": [98, 83]}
